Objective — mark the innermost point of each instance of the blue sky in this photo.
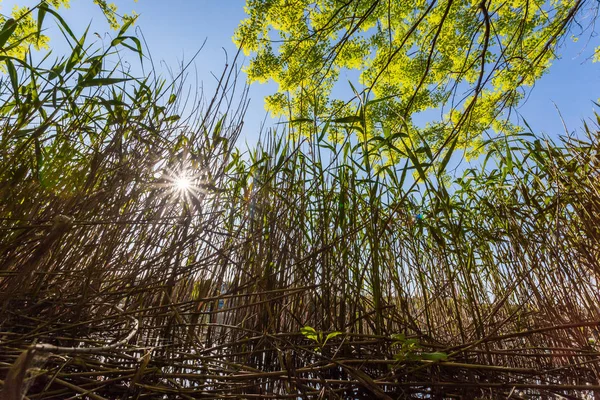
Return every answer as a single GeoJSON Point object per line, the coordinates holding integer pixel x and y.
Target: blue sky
{"type": "Point", "coordinates": [176, 29]}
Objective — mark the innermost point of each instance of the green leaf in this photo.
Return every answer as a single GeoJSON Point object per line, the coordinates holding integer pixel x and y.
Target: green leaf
{"type": "Point", "coordinates": [349, 119]}
{"type": "Point", "coordinates": [121, 40]}
{"type": "Point", "coordinates": [56, 71]}
{"type": "Point", "coordinates": [95, 67]}
{"type": "Point", "coordinates": [332, 335]}
{"type": "Point", "coordinates": [7, 30]}
{"type": "Point", "coordinates": [218, 127]}
{"type": "Point", "coordinates": [307, 329]}
{"type": "Point", "coordinates": [12, 73]}
{"type": "Point", "coordinates": [42, 8]}
{"type": "Point", "coordinates": [299, 120]}
{"type": "Point", "coordinates": [63, 25]}
{"type": "Point", "coordinates": [310, 333]}
{"type": "Point", "coordinates": [323, 132]}
{"type": "Point", "coordinates": [448, 155]}
{"type": "Point", "coordinates": [126, 25]}
{"type": "Point", "coordinates": [76, 55]}
{"type": "Point", "coordinates": [399, 337]}
{"type": "Point", "coordinates": [172, 118]}
{"type": "Point", "coordinates": [102, 81]}
{"type": "Point", "coordinates": [354, 90]}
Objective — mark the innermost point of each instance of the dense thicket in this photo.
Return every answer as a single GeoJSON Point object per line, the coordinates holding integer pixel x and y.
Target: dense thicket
{"type": "Point", "coordinates": [143, 256]}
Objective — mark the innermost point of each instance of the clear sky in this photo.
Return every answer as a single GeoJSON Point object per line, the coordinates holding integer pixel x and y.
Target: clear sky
{"type": "Point", "coordinates": [176, 29]}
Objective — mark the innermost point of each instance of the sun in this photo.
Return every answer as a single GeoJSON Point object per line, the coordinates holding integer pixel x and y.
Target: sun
{"type": "Point", "coordinates": [182, 183]}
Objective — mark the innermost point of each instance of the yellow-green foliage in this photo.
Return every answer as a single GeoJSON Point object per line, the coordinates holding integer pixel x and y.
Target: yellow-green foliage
{"type": "Point", "coordinates": [26, 34]}
{"type": "Point", "coordinates": [466, 59]}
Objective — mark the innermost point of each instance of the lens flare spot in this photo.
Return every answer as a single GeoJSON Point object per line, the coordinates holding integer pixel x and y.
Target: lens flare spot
{"type": "Point", "coordinates": [183, 183]}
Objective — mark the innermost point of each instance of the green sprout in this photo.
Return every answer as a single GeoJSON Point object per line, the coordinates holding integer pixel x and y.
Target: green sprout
{"type": "Point", "coordinates": [411, 350]}
{"type": "Point", "coordinates": [318, 337]}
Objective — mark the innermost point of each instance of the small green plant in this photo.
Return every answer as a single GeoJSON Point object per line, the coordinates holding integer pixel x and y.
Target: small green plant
{"type": "Point", "coordinates": [318, 337]}
{"type": "Point", "coordinates": [411, 350]}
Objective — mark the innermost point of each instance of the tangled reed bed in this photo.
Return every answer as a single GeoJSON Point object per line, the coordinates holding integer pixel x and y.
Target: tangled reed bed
{"type": "Point", "coordinates": [114, 283]}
